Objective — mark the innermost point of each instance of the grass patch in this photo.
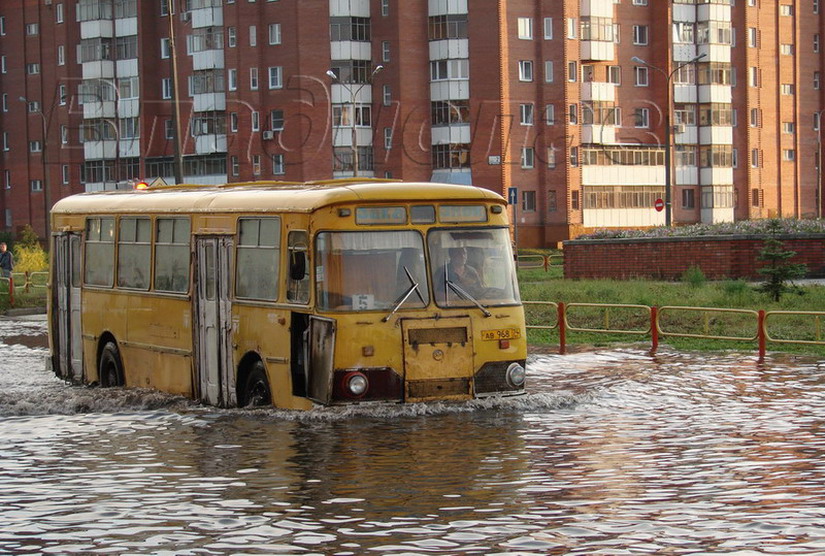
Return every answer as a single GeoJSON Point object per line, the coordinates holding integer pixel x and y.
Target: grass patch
{"type": "Point", "coordinates": [693, 291]}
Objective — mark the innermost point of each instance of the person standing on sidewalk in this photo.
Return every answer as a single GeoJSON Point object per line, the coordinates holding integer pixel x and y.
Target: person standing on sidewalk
{"type": "Point", "coordinates": [6, 261]}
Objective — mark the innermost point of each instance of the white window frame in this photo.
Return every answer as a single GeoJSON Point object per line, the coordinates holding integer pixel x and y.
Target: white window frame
{"type": "Point", "coordinates": [276, 77]}
{"type": "Point", "coordinates": [525, 70]}
{"type": "Point", "coordinates": [274, 33]}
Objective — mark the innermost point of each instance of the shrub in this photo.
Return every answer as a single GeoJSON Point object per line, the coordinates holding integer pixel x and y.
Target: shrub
{"type": "Point", "coordinates": [694, 277]}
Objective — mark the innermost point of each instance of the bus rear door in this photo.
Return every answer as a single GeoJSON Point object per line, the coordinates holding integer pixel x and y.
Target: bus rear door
{"type": "Point", "coordinates": [213, 322]}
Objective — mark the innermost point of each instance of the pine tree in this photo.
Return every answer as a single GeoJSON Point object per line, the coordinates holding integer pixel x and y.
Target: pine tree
{"type": "Point", "coordinates": [778, 270]}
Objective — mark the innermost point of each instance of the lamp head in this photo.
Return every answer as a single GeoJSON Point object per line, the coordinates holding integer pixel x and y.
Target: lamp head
{"type": "Point", "coordinates": [638, 60]}
{"type": "Point", "coordinates": [332, 74]}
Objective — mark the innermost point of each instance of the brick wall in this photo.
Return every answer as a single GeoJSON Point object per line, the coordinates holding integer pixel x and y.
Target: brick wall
{"type": "Point", "coordinates": [668, 258]}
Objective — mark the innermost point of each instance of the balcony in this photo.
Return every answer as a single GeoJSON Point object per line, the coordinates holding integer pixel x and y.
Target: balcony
{"type": "Point", "coordinates": [597, 8]}
{"type": "Point", "coordinates": [598, 50]}
{"type": "Point", "coordinates": [598, 91]}
{"type": "Point", "coordinates": [208, 144]}
{"type": "Point", "coordinates": [600, 134]}
{"type": "Point", "coordinates": [207, 17]}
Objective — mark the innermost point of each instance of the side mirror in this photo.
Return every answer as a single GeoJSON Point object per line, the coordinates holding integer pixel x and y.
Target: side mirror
{"type": "Point", "coordinates": [297, 265]}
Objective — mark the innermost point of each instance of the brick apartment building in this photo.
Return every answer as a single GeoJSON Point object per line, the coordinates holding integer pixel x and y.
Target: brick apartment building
{"type": "Point", "coordinates": [567, 101]}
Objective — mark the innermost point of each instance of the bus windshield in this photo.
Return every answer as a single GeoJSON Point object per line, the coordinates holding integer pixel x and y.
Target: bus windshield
{"type": "Point", "coordinates": [370, 271]}
{"type": "Point", "coordinates": [472, 266]}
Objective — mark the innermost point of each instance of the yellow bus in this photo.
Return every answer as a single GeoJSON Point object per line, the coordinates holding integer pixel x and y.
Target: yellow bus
{"type": "Point", "coordinates": [288, 294]}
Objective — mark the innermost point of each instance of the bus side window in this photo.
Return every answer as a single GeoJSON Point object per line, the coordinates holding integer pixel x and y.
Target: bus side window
{"type": "Point", "coordinates": [298, 275]}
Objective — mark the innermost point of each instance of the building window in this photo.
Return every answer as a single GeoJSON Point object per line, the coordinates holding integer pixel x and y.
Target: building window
{"type": "Point", "coordinates": [574, 199]}
{"type": "Point", "coordinates": [32, 29]}
{"type": "Point", "coordinates": [642, 117]}
{"type": "Point", "coordinates": [785, 9]}
{"type": "Point", "coordinates": [548, 71]}
{"type": "Point", "coordinates": [169, 128]}
{"type": "Point", "coordinates": [165, 48]}
{"type": "Point", "coordinates": [36, 185]}
{"type": "Point", "coordinates": [236, 167]}
{"type": "Point", "coordinates": [787, 88]}
{"type": "Point", "coordinates": [614, 75]}
{"type": "Point", "coordinates": [66, 174]}
{"type": "Point", "coordinates": [640, 34]}
{"type": "Point", "coordinates": [166, 87]}
{"type": "Point", "coordinates": [2, 26]}
{"type": "Point", "coordinates": [256, 165]}
{"type": "Point", "coordinates": [550, 114]}
{"type": "Point", "coordinates": [528, 157]}
{"type": "Point", "coordinates": [817, 80]}
{"type": "Point", "coordinates": [641, 76]}
{"type": "Point", "coordinates": [526, 114]}
{"type": "Point", "coordinates": [255, 120]}
{"type": "Point", "coordinates": [552, 202]}
{"type": "Point", "coordinates": [232, 79]}
{"type": "Point", "coordinates": [253, 79]}
{"type": "Point", "coordinates": [525, 28]}
{"type": "Point", "coordinates": [528, 201]}
{"type": "Point", "coordinates": [640, 2]}
{"type": "Point", "coordinates": [58, 13]}
{"type": "Point", "coordinates": [61, 55]}
{"type": "Point", "coordinates": [816, 42]}
{"type": "Point", "coordinates": [755, 117]}
{"type": "Point", "coordinates": [571, 27]}
{"type": "Point", "coordinates": [231, 37]}
{"type": "Point", "coordinates": [753, 37]}
{"type": "Point", "coordinates": [385, 8]}
{"type": "Point", "coordinates": [274, 33]}
{"type": "Point", "coordinates": [233, 122]}
{"type": "Point", "coordinates": [688, 199]}
{"type": "Point", "coordinates": [253, 35]}
{"type": "Point", "coordinates": [525, 70]}
{"type": "Point", "coordinates": [548, 28]}
{"type": "Point", "coordinates": [754, 158]}
{"type": "Point", "coordinates": [551, 157]}
{"type": "Point", "coordinates": [32, 69]}
{"type": "Point", "coordinates": [278, 167]}
{"type": "Point", "coordinates": [385, 51]}
{"type": "Point", "coordinates": [35, 146]}
{"type": "Point", "coordinates": [788, 155]}
{"type": "Point", "coordinates": [386, 94]}
{"type": "Point", "coordinates": [573, 113]}
{"type": "Point", "coordinates": [276, 120]}
{"type": "Point", "coordinates": [276, 77]}
{"type": "Point", "coordinates": [64, 135]}
{"type": "Point", "coordinates": [572, 72]}
{"type": "Point", "coordinates": [452, 156]}
{"type": "Point", "coordinates": [753, 76]}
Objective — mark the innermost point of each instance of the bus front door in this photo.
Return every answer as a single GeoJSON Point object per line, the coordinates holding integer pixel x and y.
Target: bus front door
{"type": "Point", "coordinates": [213, 323]}
{"type": "Point", "coordinates": [438, 358]}
{"type": "Point", "coordinates": [67, 310]}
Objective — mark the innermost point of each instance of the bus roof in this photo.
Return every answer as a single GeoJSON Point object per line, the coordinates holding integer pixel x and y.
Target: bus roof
{"type": "Point", "coordinates": [265, 196]}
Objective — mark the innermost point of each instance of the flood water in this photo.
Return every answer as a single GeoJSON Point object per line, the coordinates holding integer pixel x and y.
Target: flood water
{"type": "Point", "coordinates": [612, 452]}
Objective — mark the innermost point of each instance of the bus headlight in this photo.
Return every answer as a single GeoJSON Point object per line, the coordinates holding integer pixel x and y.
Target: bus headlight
{"type": "Point", "coordinates": [356, 383]}
{"type": "Point", "coordinates": [516, 375]}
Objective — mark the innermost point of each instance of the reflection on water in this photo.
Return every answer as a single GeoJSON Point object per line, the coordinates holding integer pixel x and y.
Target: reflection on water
{"type": "Point", "coordinates": [612, 452]}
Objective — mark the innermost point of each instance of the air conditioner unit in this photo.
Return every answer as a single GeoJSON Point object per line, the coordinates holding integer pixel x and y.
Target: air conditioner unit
{"type": "Point", "coordinates": [679, 128]}
{"type": "Point", "coordinates": [268, 135]}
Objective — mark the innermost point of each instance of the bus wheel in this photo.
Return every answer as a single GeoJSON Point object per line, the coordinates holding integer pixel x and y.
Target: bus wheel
{"type": "Point", "coordinates": [110, 370]}
{"type": "Point", "coordinates": [256, 390]}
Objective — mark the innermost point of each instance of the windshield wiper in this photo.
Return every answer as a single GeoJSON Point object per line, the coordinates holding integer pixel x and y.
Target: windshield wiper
{"type": "Point", "coordinates": [401, 300]}
{"type": "Point", "coordinates": [462, 293]}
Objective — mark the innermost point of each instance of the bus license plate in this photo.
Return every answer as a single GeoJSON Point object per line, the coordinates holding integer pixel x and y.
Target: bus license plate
{"type": "Point", "coordinates": [501, 334]}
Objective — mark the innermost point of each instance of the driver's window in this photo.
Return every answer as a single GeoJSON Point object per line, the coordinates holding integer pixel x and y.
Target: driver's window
{"type": "Point", "coordinates": [298, 253]}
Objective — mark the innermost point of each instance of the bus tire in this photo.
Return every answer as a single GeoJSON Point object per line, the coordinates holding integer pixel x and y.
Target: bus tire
{"type": "Point", "coordinates": [110, 369]}
{"type": "Point", "coordinates": [256, 392]}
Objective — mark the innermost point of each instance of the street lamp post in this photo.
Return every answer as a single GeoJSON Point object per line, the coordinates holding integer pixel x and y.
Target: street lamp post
{"type": "Point", "coordinates": [353, 93]}
{"type": "Point", "coordinates": [668, 129]}
{"type": "Point", "coordinates": [46, 192]}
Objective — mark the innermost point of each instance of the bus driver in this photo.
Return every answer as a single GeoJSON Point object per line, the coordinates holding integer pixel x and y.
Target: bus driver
{"type": "Point", "coordinates": [459, 272]}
